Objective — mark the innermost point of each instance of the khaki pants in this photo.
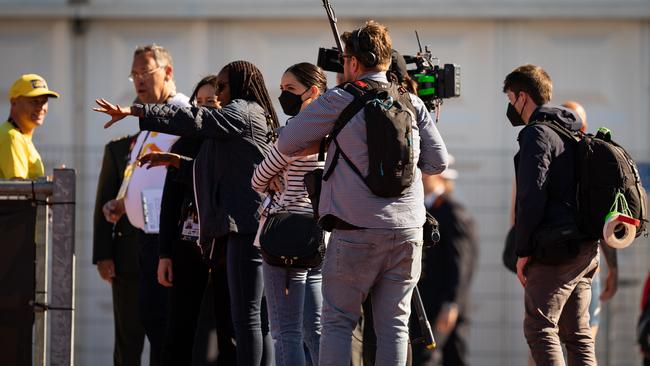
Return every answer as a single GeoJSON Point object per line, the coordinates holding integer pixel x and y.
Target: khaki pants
{"type": "Point", "coordinates": [557, 299]}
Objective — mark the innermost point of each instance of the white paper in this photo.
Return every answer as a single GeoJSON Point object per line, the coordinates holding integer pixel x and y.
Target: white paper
{"type": "Point", "coordinates": [151, 198]}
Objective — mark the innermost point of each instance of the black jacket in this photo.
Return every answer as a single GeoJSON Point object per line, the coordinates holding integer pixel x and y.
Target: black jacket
{"type": "Point", "coordinates": [178, 195]}
{"type": "Point", "coordinates": [118, 242]}
{"type": "Point", "coordinates": [546, 179]}
{"type": "Point", "coordinates": [448, 267]}
{"type": "Point", "coordinates": [234, 140]}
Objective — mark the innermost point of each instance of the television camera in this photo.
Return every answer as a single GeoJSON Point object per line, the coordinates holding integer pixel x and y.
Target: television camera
{"type": "Point", "coordinates": [435, 82]}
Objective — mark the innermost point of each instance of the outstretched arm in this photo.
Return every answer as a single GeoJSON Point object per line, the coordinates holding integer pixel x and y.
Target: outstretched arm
{"type": "Point", "coordinates": [116, 112]}
{"type": "Point", "coordinates": [229, 121]}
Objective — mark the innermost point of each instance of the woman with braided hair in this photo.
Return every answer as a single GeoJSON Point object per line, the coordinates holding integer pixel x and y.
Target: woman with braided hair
{"type": "Point", "coordinates": [235, 139]}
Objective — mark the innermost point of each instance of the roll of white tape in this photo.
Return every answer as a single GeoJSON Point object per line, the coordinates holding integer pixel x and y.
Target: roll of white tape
{"type": "Point", "coordinates": [618, 234]}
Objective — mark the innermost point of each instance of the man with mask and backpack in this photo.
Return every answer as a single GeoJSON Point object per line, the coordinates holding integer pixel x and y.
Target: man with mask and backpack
{"type": "Point", "coordinates": [371, 196]}
{"type": "Point", "coordinates": [554, 265]}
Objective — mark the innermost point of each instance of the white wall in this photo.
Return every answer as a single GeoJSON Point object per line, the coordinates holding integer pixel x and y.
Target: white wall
{"type": "Point", "coordinates": [601, 63]}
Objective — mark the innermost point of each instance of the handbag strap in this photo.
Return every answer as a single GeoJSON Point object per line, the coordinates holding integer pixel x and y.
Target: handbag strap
{"type": "Point", "coordinates": [281, 207]}
{"type": "Point", "coordinates": [321, 149]}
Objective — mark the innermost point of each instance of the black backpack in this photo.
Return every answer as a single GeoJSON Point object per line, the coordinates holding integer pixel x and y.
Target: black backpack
{"type": "Point", "coordinates": [389, 114]}
{"type": "Point", "coordinates": [604, 169]}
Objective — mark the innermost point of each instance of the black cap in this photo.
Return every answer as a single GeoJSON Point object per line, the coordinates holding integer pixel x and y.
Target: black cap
{"type": "Point", "coordinates": [398, 66]}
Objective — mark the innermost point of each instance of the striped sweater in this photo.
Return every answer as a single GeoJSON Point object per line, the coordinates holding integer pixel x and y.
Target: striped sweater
{"type": "Point", "coordinates": [292, 170]}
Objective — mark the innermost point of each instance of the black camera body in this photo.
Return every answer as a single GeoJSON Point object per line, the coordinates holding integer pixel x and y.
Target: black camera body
{"type": "Point", "coordinates": [329, 59]}
{"type": "Point", "coordinates": [434, 81]}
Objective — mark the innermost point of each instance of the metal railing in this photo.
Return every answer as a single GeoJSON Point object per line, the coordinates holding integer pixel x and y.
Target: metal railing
{"type": "Point", "coordinates": [53, 305]}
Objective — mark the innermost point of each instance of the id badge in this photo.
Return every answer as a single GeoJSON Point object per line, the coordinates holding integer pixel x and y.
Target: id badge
{"type": "Point", "coordinates": [190, 230]}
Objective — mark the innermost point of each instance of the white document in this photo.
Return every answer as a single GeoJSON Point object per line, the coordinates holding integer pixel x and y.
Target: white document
{"type": "Point", "coordinates": [151, 198]}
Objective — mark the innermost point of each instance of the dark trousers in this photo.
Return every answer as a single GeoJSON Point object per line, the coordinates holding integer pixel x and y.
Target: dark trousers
{"type": "Point", "coordinates": [153, 297]}
{"type": "Point", "coordinates": [215, 312]}
{"type": "Point", "coordinates": [16, 321]}
{"type": "Point", "coordinates": [192, 281]}
{"type": "Point", "coordinates": [249, 316]}
{"type": "Point", "coordinates": [17, 259]}
{"type": "Point", "coordinates": [129, 333]}
{"type": "Point", "coordinates": [557, 301]}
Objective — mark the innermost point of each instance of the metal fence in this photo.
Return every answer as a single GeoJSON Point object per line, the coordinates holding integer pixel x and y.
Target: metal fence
{"type": "Point", "coordinates": [54, 263]}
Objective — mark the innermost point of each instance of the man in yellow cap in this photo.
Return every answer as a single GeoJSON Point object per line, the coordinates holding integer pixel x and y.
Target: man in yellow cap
{"type": "Point", "coordinates": [18, 156]}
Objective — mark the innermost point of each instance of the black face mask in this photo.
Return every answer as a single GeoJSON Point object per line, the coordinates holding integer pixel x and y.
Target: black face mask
{"type": "Point", "coordinates": [513, 116]}
{"type": "Point", "coordinates": [290, 102]}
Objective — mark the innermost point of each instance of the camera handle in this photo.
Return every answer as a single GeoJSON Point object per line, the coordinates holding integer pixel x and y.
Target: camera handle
{"type": "Point", "coordinates": [332, 19]}
{"type": "Point", "coordinates": [425, 327]}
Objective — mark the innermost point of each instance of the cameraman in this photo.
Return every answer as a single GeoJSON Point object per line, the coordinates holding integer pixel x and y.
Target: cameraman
{"type": "Point", "coordinates": [376, 243]}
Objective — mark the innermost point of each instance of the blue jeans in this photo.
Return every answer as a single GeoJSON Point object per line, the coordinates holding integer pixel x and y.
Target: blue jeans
{"type": "Point", "coordinates": [385, 263]}
{"type": "Point", "coordinates": [244, 266]}
{"type": "Point", "coordinates": [295, 317]}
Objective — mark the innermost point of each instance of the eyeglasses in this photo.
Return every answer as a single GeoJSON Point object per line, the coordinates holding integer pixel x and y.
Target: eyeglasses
{"type": "Point", "coordinates": [221, 85]}
{"type": "Point", "coordinates": [144, 76]}
{"type": "Point", "coordinates": [342, 57]}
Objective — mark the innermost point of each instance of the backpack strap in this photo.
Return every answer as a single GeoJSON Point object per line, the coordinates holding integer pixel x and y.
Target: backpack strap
{"type": "Point", "coordinates": [560, 130]}
{"type": "Point", "coordinates": [339, 152]}
{"type": "Point", "coordinates": [362, 94]}
{"type": "Point", "coordinates": [321, 149]}
{"type": "Point", "coordinates": [399, 94]}
{"type": "Point", "coordinates": [566, 135]}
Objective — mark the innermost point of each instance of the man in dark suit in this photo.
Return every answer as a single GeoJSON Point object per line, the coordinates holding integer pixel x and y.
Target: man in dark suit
{"type": "Point", "coordinates": [447, 271]}
{"type": "Point", "coordinates": [115, 252]}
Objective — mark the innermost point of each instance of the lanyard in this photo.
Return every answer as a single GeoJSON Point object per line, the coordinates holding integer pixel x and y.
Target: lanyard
{"type": "Point", "coordinates": [128, 172]}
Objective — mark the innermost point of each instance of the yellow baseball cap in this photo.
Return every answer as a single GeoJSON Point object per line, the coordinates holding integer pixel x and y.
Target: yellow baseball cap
{"type": "Point", "coordinates": [30, 85]}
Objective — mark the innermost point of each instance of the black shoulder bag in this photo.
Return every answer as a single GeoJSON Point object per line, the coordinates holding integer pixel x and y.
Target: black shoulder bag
{"type": "Point", "coordinates": [292, 240]}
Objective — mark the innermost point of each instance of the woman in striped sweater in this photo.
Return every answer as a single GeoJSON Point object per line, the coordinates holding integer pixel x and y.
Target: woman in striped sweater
{"type": "Point", "coordinates": [294, 317]}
